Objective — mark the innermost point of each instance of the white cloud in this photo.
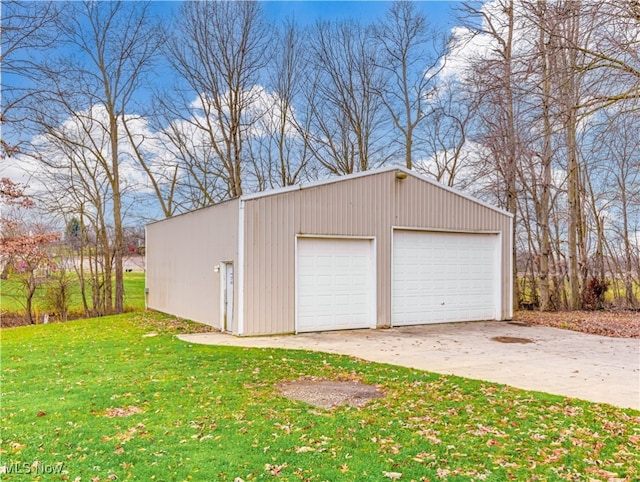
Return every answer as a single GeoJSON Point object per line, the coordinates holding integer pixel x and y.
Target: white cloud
{"type": "Point", "coordinates": [24, 170]}
{"type": "Point", "coordinates": [469, 47]}
{"type": "Point", "coordinates": [263, 112]}
{"type": "Point", "coordinates": [465, 48]}
{"type": "Point", "coordinates": [443, 165]}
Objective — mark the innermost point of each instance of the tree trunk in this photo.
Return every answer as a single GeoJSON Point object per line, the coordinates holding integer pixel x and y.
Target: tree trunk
{"type": "Point", "coordinates": [574, 211]}
{"type": "Point", "coordinates": [545, 198]}
{"type": "Point", "coordinates": [31, 290]}
{"type": "Point", "coordinates": [628, 258]}
{"type": "Point", "coordinates": [117, 218]}
{"type": "Point", "coordinates": [570, 102]}
{"type": "Point", "coordinates": [511, 167]}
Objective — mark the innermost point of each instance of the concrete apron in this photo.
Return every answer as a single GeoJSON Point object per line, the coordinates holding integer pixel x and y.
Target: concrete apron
{"type": "Point", "coordinates": [561, 362]}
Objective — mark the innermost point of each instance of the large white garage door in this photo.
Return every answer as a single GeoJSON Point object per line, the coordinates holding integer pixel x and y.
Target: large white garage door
{"type": "Point", "coordinates": [442, 277]}
{"type": "Point", "coordinates": [335, 284]}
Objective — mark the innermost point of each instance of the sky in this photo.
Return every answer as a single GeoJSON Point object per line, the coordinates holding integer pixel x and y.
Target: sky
{"type": "Point", "coordinates": [441, 15]}
{"type": "Point", "coordinates": [308, 12]}
{"type": "Point", "coordinates": [439, 12]}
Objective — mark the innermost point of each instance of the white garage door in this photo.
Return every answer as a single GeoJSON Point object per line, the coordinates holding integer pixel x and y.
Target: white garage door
{"type": "Point", "coordinates": [335, 284]}
{"type": "Point", "coordinates": [442, 277]}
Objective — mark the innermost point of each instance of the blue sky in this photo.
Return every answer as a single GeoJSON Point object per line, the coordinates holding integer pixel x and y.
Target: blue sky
{"type": "Point", "coordinates": [439, 13]}
{"type": "Point", "coordinates": [307, 12]}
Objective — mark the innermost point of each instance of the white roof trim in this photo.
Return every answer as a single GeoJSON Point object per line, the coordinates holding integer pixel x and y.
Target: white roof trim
{"type": "Point", "coordinates": [331, 180]}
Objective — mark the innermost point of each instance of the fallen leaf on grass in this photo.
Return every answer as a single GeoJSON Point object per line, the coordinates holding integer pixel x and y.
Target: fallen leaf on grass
{"type": "Point", "coordinates": [602, 473]}
{"type": "Point", "coordinates": [392, 475]}
{"type": "Point", "coordinates": [275, 469]}
{"type": "Point", "coordinates": [122, 411]}
{"type": "Point", "coordinates": [304, 449]}
{"type": "Point", "coordinates": [442, 473]}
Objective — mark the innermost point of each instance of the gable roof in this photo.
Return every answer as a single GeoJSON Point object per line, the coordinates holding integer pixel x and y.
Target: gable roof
{"type": "Point", "coordinates": [372, 172]}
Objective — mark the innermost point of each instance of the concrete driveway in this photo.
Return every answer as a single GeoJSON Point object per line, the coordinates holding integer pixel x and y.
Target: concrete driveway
{"type": "Point", "coordinates": [562, 362]}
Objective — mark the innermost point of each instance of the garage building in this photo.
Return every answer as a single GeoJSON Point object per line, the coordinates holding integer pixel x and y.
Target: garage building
{"type": "Point", "coordinates": [385, 247]}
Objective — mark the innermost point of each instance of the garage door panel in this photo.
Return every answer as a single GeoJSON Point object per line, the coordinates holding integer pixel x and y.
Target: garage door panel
{"type": "Point", "coordinates": [441, 277]}
{"type": "Point", "coordinates": [335, 288]}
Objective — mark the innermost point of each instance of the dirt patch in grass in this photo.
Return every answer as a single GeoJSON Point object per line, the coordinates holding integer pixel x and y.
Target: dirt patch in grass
{"type": "Point", "coordinates": [330, 393]}
{"type": "Point", "coordinates": [619, 324]}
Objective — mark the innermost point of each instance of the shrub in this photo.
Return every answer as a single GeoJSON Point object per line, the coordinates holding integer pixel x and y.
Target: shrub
{"type": "Point", "coordinates": [57, 295]}
{"type": "Point", "coordinates": [593, 293]}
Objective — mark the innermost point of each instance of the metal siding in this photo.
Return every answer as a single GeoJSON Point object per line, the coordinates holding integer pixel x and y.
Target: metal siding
{"type": "Point", "coordinates": [363, 206]}
{"type": "Point", "coordinates": [181, 253]}
{"type": "Point", "coordinates": [360, 207]}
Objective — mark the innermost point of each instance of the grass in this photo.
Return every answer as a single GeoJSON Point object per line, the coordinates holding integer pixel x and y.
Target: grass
{"type": "Point", "coordinates": [214, 413]}
{"type": "Point", "coordinates": [12, 295]}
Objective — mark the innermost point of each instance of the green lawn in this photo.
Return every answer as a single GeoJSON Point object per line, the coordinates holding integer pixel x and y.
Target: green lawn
{"type": "Point", "coordinates": [207, 413]}
{"type": "Point", "coordinates": [12, 297]}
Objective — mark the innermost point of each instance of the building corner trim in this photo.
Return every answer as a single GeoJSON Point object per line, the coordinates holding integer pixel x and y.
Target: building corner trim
{"type": "Point", "coordinates": [146, 271]}
{"type": "Point", "coordinates": [240, 270]}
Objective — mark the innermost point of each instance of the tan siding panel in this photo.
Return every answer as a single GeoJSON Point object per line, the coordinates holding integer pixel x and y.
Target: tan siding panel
{"type": "Point", "coordinates": [181, 253]}
{"type": "Point", "coordinates": [360, 207]}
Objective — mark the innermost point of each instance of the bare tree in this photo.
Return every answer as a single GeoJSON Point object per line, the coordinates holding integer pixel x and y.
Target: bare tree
{"type": "Point", "coordinates": [286, 125]}
{"type": "Point", "coordinates": [94, 91]}
{"type": "Point", "coordinates": [615, 195]}
{"type": "Point", "coordinates": [219, 51]}
{"type": "Point", "coordinates": [162, 173]}
{"type": "Point", "coordinates": [77, 186]}
{"type": "Point", "coordinates": [612, 49]}
{"type": "Point", "coordinates": [27, 28]}
{"type": "Point", "coordinates": [278, 146]}
{"type": "Point", "coordinates": [412, 57]}
{"type": "Point", "coordinates": [445, 133]}
{"type": "Point", "coordinates": [536, 177]}
{"type": "Point", "coordinates": [568, 62]}
{"type": "Point", "coordinates": [348, 121]}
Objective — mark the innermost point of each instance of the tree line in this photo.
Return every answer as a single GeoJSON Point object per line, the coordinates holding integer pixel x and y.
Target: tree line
{"type": "Point", "coordinates": [530, 105]}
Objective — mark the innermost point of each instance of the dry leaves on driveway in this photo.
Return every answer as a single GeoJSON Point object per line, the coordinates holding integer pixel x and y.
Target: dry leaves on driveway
{"type": "Point", "coordinates": [619, 324]}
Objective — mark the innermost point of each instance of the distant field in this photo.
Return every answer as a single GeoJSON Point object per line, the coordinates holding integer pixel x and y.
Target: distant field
{"type": "Point", "coordinates": [12, 297]}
